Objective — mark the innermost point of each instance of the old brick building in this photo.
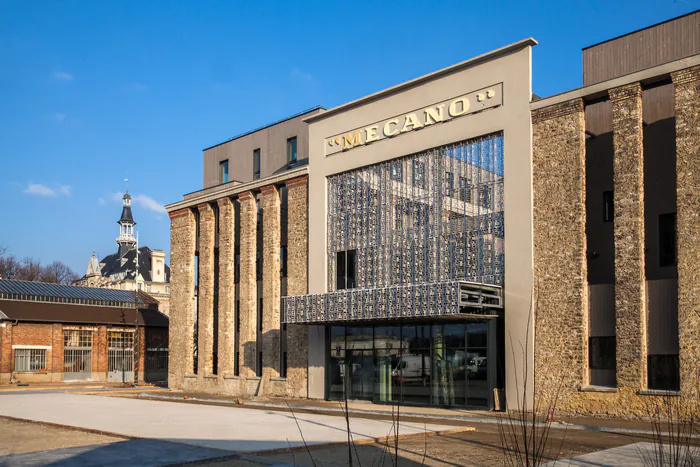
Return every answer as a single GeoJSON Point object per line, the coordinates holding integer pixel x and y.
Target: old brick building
{"type": "Point", "coordinates": [434, 243]}
{"type": "Point", "coordinates": [55, 333]}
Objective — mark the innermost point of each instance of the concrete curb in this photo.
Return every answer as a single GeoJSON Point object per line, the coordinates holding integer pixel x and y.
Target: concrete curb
{"type": "Point", "coordinates": [404, 415]}
{"type": "Point", "coordinates": [70, 427]}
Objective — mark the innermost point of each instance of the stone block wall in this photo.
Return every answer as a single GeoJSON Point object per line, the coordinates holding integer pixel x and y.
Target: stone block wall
{"type": "Point", "coordinates": [297, 283]}
{"type": "Point", "coordinates": [205, 323]}
{"type": "Point", "coordinates": [246, 383]}
{"type": "Point", "coordinates": [561, 306]}
{"type": "Point", "coordinates": [559, 215]}
{"type": "Point", "coordinates": [183, 231]}
{"type": "Point", "coordinates": [687, 95]}
{"type": "Point", "coordinates": [271, 281]}
{"type": "Point", "coordinates": [227, 297]}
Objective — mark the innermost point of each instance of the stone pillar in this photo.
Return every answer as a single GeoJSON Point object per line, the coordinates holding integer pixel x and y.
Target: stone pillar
{"type": "Point", "coordinates": [560, 273]}
{"type": "Point", "coordinates": [227, 303]}
{"type": "Point", "coordinates": [183, 233]}
{"type": "Point", "coordinates": [628, 201]}
{"type": "Point", "coordinates": [297, 282]}
{"type": "Point", "coordinates": [205, 324]}
{"type": "Point", "coordinates": [271, 281]}
{"type": "Point", "coordinates": [687, 90]}
{"type": "Point", "coordinates": [248, 285]}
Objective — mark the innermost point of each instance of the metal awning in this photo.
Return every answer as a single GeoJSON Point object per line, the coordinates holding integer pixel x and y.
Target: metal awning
{"type": "Point", "coordinates": [425, 300]}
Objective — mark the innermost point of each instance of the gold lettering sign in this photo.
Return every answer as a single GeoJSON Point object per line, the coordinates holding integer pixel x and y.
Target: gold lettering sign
{"type": "Point", "coordinates": [431, 115]}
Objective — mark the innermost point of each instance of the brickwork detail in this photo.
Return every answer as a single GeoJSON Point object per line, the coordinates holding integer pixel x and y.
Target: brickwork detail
{"type": "Point", "coordinates": [271, 281]}
{"type": "Point", "coordinates": [181, 327]}
{"type": "Point", "coordinates": [248, 285]}
{"type": "Point", "coordinates": [226, 290]}
{"type": "Point", "coordinates": [297, 283]}
{"type": "Point", "coordinates": [559, 219]}
{"type": "Point", "coordinates": [630, 288]}
{"type": "Point", "coordinates": [687, 94]}
{"type": "Point", "coordinates": [205, 323]}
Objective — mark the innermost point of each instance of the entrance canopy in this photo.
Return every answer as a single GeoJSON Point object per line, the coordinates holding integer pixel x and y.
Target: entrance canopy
{"type": "Point", "coordinates": [435, 299]}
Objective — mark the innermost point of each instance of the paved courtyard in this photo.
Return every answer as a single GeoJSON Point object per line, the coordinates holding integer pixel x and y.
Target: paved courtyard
{"type": "Point", "coordinates": [225, 428]}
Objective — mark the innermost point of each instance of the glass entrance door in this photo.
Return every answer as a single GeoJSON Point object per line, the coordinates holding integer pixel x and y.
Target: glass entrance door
{"type": "Point", "coordinates": [360, 371]}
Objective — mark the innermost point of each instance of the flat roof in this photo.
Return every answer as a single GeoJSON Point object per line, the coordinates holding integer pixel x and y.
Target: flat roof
{"type": "Point", "coordinates": [298, 114]}
{"type": "Point", "coordinates": [641, 29]}
{"type": "Point", "coordinates": [529, 42]}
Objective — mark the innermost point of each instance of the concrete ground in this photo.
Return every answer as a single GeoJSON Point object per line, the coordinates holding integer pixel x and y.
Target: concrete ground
{"type": "Point", "coordinates": [226, 428]}
{"type": "Point", "coordinates": [32, 444]}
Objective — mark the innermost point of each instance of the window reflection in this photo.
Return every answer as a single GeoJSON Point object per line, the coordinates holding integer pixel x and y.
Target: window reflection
{"type": "Point", "coordinates": [418, 364]}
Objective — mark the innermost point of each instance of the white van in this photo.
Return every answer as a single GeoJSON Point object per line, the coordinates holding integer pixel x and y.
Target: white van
{"type": "Point", "coordinates": [412, 369]}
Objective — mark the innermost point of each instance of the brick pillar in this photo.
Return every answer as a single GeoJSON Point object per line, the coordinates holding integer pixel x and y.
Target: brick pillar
{"type": "Point", "coordinates": [227, 325]}
{"type": "Point", "coordinates": [248, 285]}
{"type": "Point", "coordinates": [560, 273]}
{"type": "Point", "coordinates": [630, 287]}
{"type": "Point", "coordinates": [56, 363]}
{"type": "Point", "coordinates": [183, 233]}
{"type": "Point", "coordinates": [205, 324]}
{"type": "Point", "coordinates": [271, 281]}
{"type": "Point", "coordinates": [297, 283]}
{"type": "Point", "coordinates": [687, 90]}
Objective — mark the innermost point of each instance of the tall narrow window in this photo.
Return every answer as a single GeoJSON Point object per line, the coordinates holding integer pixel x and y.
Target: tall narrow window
{"type": "Point", "coordinates": [292, 151]}
{"type": "Point", "coordinates": [667, 239]}
{"type": "Point", "coordinates": [283, 261]}
{"type": "Point", "coordinates": [256, 164]}
{"type": "Point", "coordinates": [345, 270]}
{"type": "Point", "coordinates": [608, 207]}
{"type": "Point", "coordinates": [223, 171]}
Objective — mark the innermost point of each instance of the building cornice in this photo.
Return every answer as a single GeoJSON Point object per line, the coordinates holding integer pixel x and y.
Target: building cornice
{"type": "Point", "coordinates": [472, 62]}
{"type": "Point", "coordinates": [600, 90]}
{"type": "Point", "coordinates": [210, 195]}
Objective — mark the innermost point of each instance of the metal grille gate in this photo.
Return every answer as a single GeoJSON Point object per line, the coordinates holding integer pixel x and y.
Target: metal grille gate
{"type": "Point", "coordinates": [77, 355]}
{"type": "Point", "coordinates": [120, 365]}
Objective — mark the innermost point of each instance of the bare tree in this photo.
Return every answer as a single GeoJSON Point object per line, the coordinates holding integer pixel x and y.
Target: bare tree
{"type": "Point", "coordinates": [58, 273]}
{"type": "Point", "coordinates": [30, 269]}
{"type": "Point", "coordinates": [9, 267]}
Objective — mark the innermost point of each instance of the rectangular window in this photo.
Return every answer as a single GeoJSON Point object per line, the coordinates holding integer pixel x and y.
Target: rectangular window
{"type": "Point", "coordinates": [345, 270]}
{"type": "Point", "coordinates": [449, 183]}
{"type": "Point", "coordinates": [664, 372]}
{"type": "Point", "coordinates": [260, 315]}
{"type": "Point", "coordinates": [292, 151]}
{"type": "Point", "coordinates": [419, 174]}
{"type": "Point", "coordinates": [30, 359]}
{"type": "Point", "coordinates": [238, 316]}
{"type": "Point", "coordinates": [601, 353]}
{"type": "Point", "coordinates": [283, 261]}
{"type": "Point", "coordinates": [259, 367]}
{"type": "Point", "coordinates": [608, 207]}
{"type": "Point", "coordinates": [223, 171]}
{"type": "Point", "coordinates": [256, 164]}
{"type": "Point", "coordinates": [235, 365]}
{"type": "Point", "coordinates": [465, 190]}
{"type": "Point", "coordinates": [667, 239]}
{"type": "Point", "coordinates": [283, 369]}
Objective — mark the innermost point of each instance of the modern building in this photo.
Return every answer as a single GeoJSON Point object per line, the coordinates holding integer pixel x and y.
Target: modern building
{"type": "Point", "coordinates": [129, 269]}
{"type": "Point", "coordinates": [57, 333]}
{"type": "Point", "coordinates": [446, 239]}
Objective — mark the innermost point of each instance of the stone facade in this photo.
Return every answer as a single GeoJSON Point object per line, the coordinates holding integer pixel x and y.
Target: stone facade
{"type": "Point", "coordinates": [248, 286]}
{"type": "Point", "coordinates": [559, 216]}
{"type": "Point", "coordinates": [205, 304]}
{"type": "Point", "coordinates": [183, 232]}
{"type": "Point", "coordinates": [630, 285]}
{"type": "Point", "coordinates": [227, 321]}
{"type": "Point", "coordinates": [561, 305]}
{"type": "Point", "coordinates": [297, 283]}
{"type": "Point", "coordinates": [183, 241]}
{"type": "Point", "coordinates": [687, 94]}
{"type": "Point", "coordinates": [271, 281]}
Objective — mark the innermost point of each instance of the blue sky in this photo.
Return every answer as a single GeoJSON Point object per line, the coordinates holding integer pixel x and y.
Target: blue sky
{"type": "Point", "coordinates": [94, 92]}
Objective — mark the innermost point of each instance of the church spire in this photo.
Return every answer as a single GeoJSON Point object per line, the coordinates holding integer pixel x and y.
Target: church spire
{"type": "Point", "coordinates": [126, 239]}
